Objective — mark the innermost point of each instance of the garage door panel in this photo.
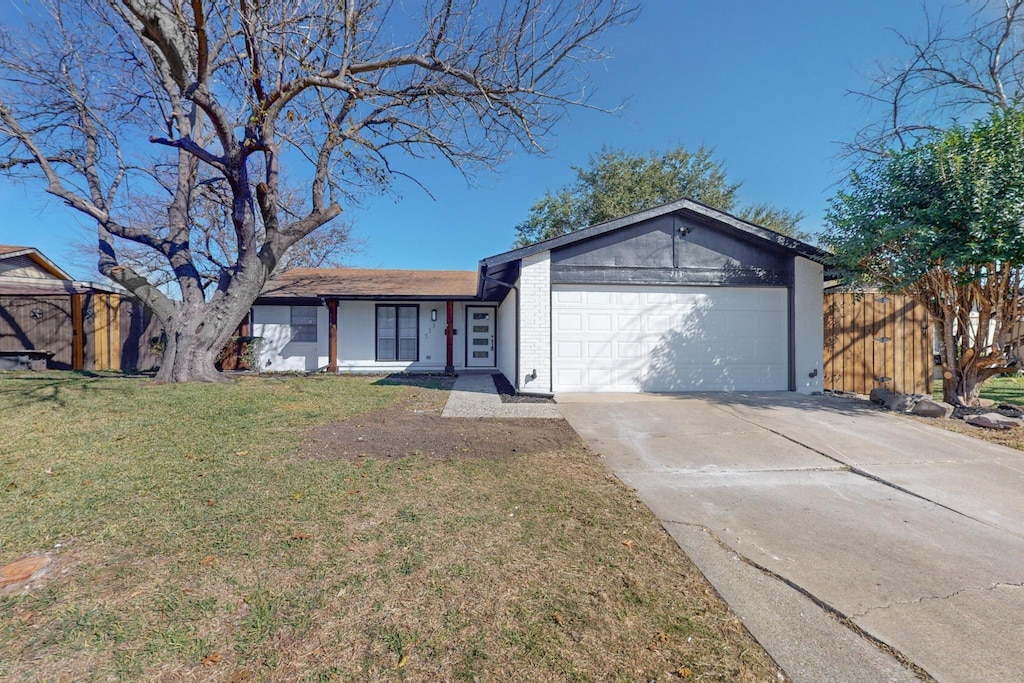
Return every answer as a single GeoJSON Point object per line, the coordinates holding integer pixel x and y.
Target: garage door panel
{"type": "Point", "coordinates": [670, 338]}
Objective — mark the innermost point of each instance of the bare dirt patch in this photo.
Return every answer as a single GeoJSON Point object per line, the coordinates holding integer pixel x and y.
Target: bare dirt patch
{"type": "Point", "coordinates": [414, 427]}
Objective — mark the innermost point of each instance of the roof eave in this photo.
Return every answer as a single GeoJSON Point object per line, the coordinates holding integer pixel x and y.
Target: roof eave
{"type": "Point", "coordinates": [43, 262]}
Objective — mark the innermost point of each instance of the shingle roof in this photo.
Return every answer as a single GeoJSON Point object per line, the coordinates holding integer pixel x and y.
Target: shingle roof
{"type": "Point", "coordinates": [10, 249]}
{"type": "Point", "coordinates": [365, 283]}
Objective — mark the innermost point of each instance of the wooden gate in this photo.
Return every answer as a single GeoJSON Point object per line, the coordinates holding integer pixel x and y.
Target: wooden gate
{"type": "Point", "coordinates": [876, 340]}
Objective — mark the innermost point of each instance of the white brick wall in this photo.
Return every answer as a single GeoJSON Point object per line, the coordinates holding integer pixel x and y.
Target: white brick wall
{"type": "Point", "coordinates": [810, 325]}
{"type": "Point", "coordinates": [535, 325]}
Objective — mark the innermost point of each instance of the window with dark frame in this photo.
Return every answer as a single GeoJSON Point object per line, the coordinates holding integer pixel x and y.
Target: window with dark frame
{"type": "Point", "coordinates": [398, 333]}
{"type": "Point", "coordinates": [303, 323]}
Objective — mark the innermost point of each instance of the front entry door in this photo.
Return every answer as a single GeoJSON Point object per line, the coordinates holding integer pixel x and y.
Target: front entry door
{"type": "Point", "coordinates": [480, 336]}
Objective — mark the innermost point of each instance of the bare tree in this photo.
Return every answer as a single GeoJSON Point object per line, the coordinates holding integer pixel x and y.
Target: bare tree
{"type": "Point", "coordinates": [212, 240]}
{"type": "Point", "coordinates": [958, 70]}
{"type": "Point", "coordinates": [231, 94]}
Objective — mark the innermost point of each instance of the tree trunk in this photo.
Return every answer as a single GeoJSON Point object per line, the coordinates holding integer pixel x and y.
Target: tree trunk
{"type": "Point", "coordinates": [961, 387]}
{"type": "Point", "coordinates": [195, 336]}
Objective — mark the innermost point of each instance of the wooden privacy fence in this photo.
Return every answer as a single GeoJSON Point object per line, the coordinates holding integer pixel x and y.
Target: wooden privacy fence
{"type": "Point", "coordinates": [85, 330]}
{"type": "Point", "coordinates": [876, 340]}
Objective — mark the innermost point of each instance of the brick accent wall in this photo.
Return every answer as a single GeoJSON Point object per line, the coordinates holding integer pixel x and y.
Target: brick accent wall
{"type": "Point", "coordinates": [535, 325]}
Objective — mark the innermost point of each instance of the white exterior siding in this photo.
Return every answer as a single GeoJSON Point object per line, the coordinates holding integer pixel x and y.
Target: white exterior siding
{"type": "Point", "coordinates": [357, 339]}
{"type": "Point", "coordinates": [278, 353]}
{"type": "Point", "coordinates": [809, 325]}
{"type": "Point", "coordinates": [535, 326]}
{"type": "Point", "coordinates": [506, 338]}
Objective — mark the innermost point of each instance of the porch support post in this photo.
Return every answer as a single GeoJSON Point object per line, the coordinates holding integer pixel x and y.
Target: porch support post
{"type": "Point", "coordinates": [449, 366]}
{"type": "Point", "coordinates": [332, 335]}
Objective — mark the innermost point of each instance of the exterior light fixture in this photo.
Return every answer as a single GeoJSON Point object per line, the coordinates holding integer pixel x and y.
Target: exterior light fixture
{"type": "Point", "coordinates": [433, 314]}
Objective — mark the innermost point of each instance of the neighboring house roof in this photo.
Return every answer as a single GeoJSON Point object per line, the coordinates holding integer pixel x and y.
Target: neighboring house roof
{"type": "Point", "coordinates": [22, 286]}
{"type": "Point", "coordinates": [365, 283]}
{"type": "Point", "coordinates": [689, 206]}
{"type": "Point", "coordinates": [10, 252]}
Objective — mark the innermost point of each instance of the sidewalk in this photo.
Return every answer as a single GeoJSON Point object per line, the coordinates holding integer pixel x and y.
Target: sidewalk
{"type": "Point", "coordinates": [474, 395]}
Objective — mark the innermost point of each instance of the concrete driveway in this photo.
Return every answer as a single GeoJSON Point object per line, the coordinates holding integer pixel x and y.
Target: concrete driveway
{"type": "Point", "coordinates": [855, 545]}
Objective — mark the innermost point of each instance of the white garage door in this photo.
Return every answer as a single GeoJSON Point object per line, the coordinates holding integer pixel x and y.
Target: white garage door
{"type": "Point", "coordinates": [669, 338]}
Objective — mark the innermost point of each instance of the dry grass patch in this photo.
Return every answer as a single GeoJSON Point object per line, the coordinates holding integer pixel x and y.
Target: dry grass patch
{"type": "Point", "coordinates": [999, 389]}
{"type": "Point", "coordinates": [197, 540]}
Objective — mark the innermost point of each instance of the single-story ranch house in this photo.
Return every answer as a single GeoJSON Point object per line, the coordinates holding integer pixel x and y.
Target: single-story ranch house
{"type": "Point", "coordinates": [681, 297]}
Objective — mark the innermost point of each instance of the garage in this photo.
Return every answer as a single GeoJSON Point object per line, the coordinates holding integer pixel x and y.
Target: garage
{"type": "Point", "coordinates": [677, 298]}
{"type": "Point", "coordinates": [669, 338]}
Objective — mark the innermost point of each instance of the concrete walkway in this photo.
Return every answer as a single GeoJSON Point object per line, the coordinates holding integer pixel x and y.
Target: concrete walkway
{"type": "Point", "coordinates": [474, 395]}
{"type": "Point", "coordinates": [836, 532]}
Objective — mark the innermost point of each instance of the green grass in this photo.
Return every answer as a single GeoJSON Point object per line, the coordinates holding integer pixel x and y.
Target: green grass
{"type": "Point", "coordinates": [1009, 389]}
{"type": "Point", "coordinates": [194, 542]}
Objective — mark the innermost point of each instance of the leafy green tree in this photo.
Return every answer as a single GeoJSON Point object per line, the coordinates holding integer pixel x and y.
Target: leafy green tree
{"type": "Point", "coordinates": [616, 183]}
{"type": "Point", "coordinates": [943, 221]}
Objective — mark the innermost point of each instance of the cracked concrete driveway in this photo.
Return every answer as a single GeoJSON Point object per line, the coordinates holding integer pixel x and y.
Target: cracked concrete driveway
{"type": "Point", "coordinates": [856, 545]}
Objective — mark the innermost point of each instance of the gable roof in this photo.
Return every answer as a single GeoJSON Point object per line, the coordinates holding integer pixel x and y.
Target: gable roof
{"type": "Point", "coordinates": [8, 251]}
{"type": "Point", "coordinates": [366, 283]}
{"type": "Point", "coordinates": [686, 206]}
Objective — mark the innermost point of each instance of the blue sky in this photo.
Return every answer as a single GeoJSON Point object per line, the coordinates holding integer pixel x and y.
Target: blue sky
{"type": "Point", "coordinates": [763, 83]}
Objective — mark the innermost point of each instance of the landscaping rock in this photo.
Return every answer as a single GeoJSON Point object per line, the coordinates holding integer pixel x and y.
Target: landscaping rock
{"type": "Point", "coordinates": [1010, 410]}
{"type": "Point", "coordinates": [881, 395]}
{"type": "Point", "coordinates": [993, 421]}
{"type": "Point", "coordinates": [985, 403]}
{"type": "Point", "coordinates": [904, 403]}
{"type": "Point", "coordinates": [930, 408]}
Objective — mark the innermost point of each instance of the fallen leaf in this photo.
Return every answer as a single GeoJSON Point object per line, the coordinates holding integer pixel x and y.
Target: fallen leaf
{"type": "Point", "coordinates": [48, 470]}
{"type": "Point", "coordinates": [629, 543]}
{"type": "Point", "coordinates": [301, 536]}
{"type": "Point", "coordinates": [211, 502]}
{"type": "Point", "coordinates": [209, 559]}
{"type": "Point", "coordinates": [211, 659]}
{"type": "Point", "coordinates": [239, 675]}
{"type": "Point", "coordinates": [241, 452]}
{"type": "Point", "coordinates": [683, 672]}
{"type": "Point", "coordinates": [401, 661]}
{"type": "Point", "coordinates": [557, 618]}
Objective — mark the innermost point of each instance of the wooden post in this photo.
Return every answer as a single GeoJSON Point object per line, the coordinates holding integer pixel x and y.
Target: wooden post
{"type": "Point", "coordinates": [449, 365]}
{"type": "Point", "coordinates": [332, 335]}
{"type": "Point", "coordinates": [101, 342]}
{"type": "Point", "coordinates": [77, 333]}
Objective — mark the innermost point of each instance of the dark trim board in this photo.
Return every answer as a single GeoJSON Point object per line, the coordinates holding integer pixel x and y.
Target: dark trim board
{"type": "Point", "coordinates": [791, 331]}
{"type": "Point", "coordinates": [693, 277]}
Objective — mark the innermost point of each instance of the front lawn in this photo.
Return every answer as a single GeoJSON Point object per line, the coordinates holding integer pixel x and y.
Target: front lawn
{"type": "Point", "coordinates": [201, 533]}
{"type": "Point", "coordinates": [1009, 389]}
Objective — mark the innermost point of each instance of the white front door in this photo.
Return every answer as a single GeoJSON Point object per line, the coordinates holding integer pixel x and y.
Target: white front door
{"type": "Point", "coordinates": [479, 336]}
